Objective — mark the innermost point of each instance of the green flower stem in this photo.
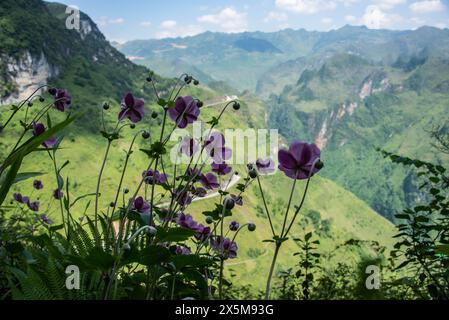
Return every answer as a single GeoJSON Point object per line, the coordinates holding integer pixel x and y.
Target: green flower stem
{"type": "Point", "coordinates": [266, 207]}
{"type": "Point", "coordinates": [288, 207]}
{"type": "Point", "coordinates": [61, 207]}
{"type": "Point", "coordinates": [220, 284]}
{"type": "Point", "coordinates": [270, 274]}
{"type": "Point", "coordinates": [97, 192]}
{"type": "Point", "coordinates": [119, 188]}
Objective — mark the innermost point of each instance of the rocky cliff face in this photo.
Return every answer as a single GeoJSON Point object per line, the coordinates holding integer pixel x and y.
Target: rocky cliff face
{"type": "Point", "coordinates": [23, 75]}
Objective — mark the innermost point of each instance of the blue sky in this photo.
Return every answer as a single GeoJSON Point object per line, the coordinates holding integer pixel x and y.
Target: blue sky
{"type": "Point", "coordinates": [144, 19]}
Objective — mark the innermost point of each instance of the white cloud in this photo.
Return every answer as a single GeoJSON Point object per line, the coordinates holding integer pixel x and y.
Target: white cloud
{"type": "Point", "coordinates": [146, 23]}
{"type": "Point", "coordinates": [441, 25]}
{"type": "Point", "coordinates": [427, 6]}
{"type": "Point", "coordinates": [171, 29]}
{"type": "Point", "coordinates": [326, 21]}
{"type": "Point", "coordinates": [168, 24]}
{"type": "Point", "coordinates": [228, 20]}
{"type": "Point", "coordinates": [350, 18]}
{"type": "Point", "coordinates": [375, 18]}
{"type": "Point", "coordinates": [105, 21]}
{"type": "Point", "coordinates": [276, 16]}
{"type": "Point", "coordinates": [306, 6]}
{"type": "Point", "coordinates": [389, 4]}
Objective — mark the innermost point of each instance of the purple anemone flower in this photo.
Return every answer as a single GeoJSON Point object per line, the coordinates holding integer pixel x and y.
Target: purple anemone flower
{"type": "Point", "coordinates": [180, 250]}
{"type": "Point", "coordinates": [265, 166]}
{"type": "Point", "coordinates": [215, 147]}
{"type": "Point", "coordinates": [38, 185]}
{"type": "Point", "coordinates": [224, 247]}
{"type": "Point", "coordinates": [200, 192]}
{"type": "Point", "coordinates": [183, 198]}
{"type": "Point", "coordinates": [188, 146]}
{"type": "Point", "coordinates": [234, 226]}
{"type": "Point", "coordinates": [132, 108]}
{"type": "Point", "coordinates": [298, 162]}
{"type": "Point", "coordinates": [34, 206]}
{"type": "Point", "coordinates": [58, 194]}
{"type": "Point", "coordinates": [209, 181]}
{"type": "Point", "coordinates": [221, 169]}
{"type": "Point", "coordinates": [46, 219]}
{"type": "Point", "coordinates": [238, 200]}
{"type": "Point", "coordinates": [191, 173]}
{"type": "Point", "coordinates": [19, 198]}
{"type": "Point", "coordinates": [62, 99]}
{"type": "Point", "coordinates": [202, 233]}
{"type": "Point", "coordinates": [140, 205]}
{"type": "Point", "coordinates": [151, 177]}
{"type": "Point", "coordinates": [38, 129]}
{"type": "Point", "coordinates": [186, 221]}
{"type": "Point", "coordinates": [185, 111]}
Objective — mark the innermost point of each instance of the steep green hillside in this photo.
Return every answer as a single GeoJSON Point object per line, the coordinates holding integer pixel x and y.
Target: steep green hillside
{"type": "Point", "coordinates": [95, 72]}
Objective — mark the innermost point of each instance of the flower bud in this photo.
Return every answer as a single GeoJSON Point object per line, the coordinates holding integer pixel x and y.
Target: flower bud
{"type": "Point", "coordinates": [196, 82]}
{"type": "Point", "coordinates": [229, 203]}
{"type": "Point", "coordinates": [126, 190]}
{"type": "Point", "coordinates": [112, 204]}
{"type": "Point", "coordinates": [41, 99]}
{"type": "Point", "coordinates": [52, 91]}
{"type": "Point", "coordinates": [126, 247]}
{"type": "Point", "coordinates": [154, 115]}
{"type": "Point", "coordinates": [151, 231]}
{"type": "Point", "coordinates": [145, 134]}
{"type": "Point", "coordinates": [149, 79]}
{"type": "Point", "coordinates": [132, 125]}
{"type": "Point", "coordinates": [253, 173]}
{"type": "Point", "coordinates": [209, 219]}
{"type": "Point", "coordinates": [251, 227]}
{"type": "Point", "coordinates": [236, 106]}
{"type": "Point", "coordinates": [105, 106]}
{"type": "Point", "coordinates": [30, 104]}
{"type": "Point", "coordinates": [319, 165]}
{"type": "Point", "coordinates": [199, 103]}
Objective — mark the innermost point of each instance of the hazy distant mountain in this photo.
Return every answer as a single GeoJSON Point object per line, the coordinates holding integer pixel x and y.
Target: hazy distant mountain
{"type": "Point", "coordinates": [350, 90]}
{"type": "Point", "coordinates": [249, 59]}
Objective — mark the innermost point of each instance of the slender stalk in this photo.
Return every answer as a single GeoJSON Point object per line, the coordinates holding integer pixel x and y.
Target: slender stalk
{"type": "Point", "coordinates": [265, 205]}
{"type": "Point", "coordinates": [299, 207]}
{"type": "Point", "coordinates": [97, 192]}
{"type": "Point", "coordinates": [270, 274]}
{"type": "Point", "coordinates": [119, 188]}
{"type": "Point", "coordinates": [220, 284]}
{"type": "Point", "coordinates": [173, 287]}
{"type": "Point", "coordinates": [288, 207]}
{"type": "Point", "coordinates": [55, 166]}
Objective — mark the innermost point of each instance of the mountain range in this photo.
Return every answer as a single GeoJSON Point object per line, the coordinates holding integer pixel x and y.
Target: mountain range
{"type": "Point", "coordinates": [350, 90]}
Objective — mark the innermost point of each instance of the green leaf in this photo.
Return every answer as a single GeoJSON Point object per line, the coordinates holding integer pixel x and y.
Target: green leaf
{"type": "Point", "coordinates": [82, 197]}
{"type": "Point", "coordinates": [33, 143]}
{"type": "Point", "coordinates": [174, 234]}
{"type": "Point", "coordinates": [443, 249]}
{"type": "Point", "coordinates": [161, 102]}
{"type": "Point", "coordinates": [154, 255]}
{"type": "Point", "coordinates": [26, 175]}
{"type": "Point", "coordinates": [9, 179]}
{"type": "Point", "coordinates": [191, 260]}
{"type": "Point", "coordinates": [98, 258]}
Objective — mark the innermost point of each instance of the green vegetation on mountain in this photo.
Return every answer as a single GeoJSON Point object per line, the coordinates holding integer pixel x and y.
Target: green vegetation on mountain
{"type": "Point", "coordinates": [95, 72]}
